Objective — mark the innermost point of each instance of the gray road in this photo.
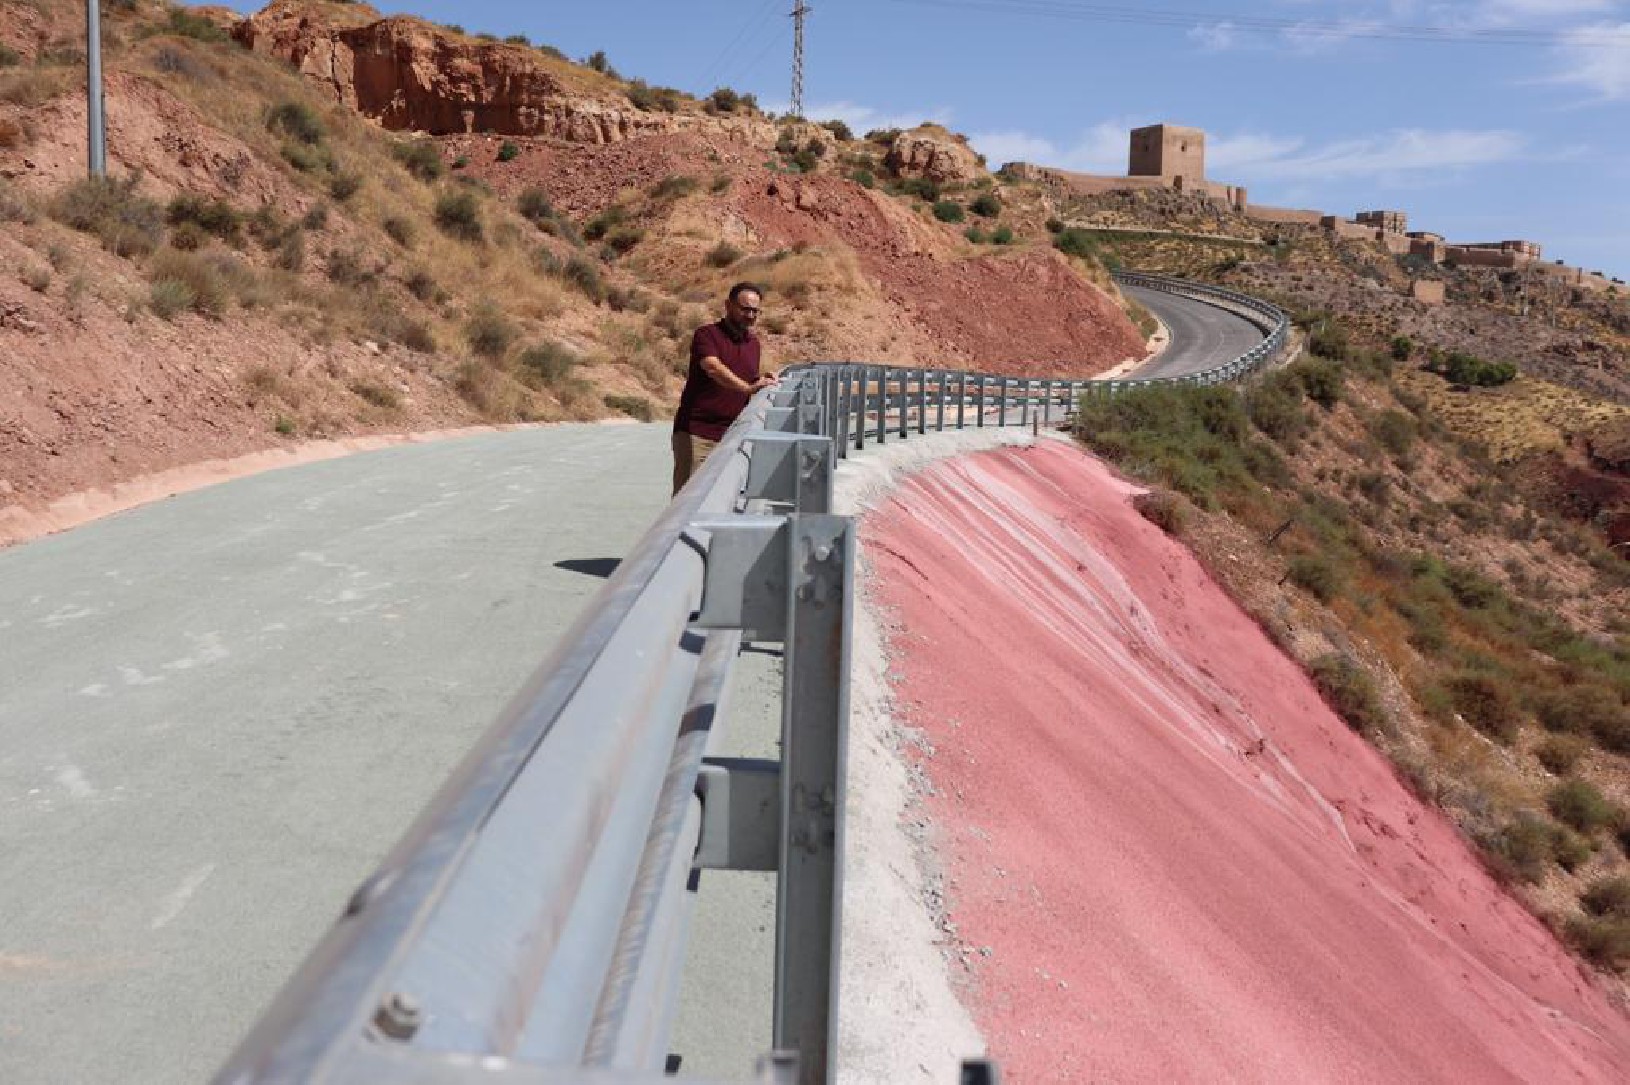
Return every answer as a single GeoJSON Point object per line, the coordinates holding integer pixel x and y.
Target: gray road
{"type": "Point", "coordinates": [1202, 335]}
{"type": "Point", "coordinates": [218, 712]}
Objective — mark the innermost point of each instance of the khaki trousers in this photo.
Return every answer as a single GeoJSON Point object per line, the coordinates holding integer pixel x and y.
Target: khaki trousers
{"type": "Point", "coordinates": [690, 452]}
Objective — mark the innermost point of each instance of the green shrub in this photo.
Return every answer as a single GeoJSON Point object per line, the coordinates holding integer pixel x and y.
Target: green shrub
{"type": "Point", "coordinates": [720, 184]}
{"type": "Point", "coordinates": [1328, 340]}
{"type": "Point", "coordinates": [9, 57]}
{"type": "Point", "coordinates": [1486, 703]}
{"type": "Point", "coordinates": [534, 205]}
{"type": "Point", "coordinates": [1607, 896]}
{"type": "Point", "coordinates": [1402, 347]}
{"type": "Point", "coordinates": [1394, 431]}
{"type": "Point", "coordinates": [202, 279]}
{"type": "Point", "coordinates": [291, 251]}
{"type": "Point", "coordinates": [399, 230]}
{"type": "Point", "coordinates": [582, 274]}
{"type": "Point", "coordinates": [1527, 845]}
{"type": "Point", "coordinates": [634, 406]}
{"type": "Point", "coordinates": [343, 185]}
{"type": "Point", "coordinates": [986, 205]}
{"type": "Point", "coordinates": [1321, 380]}
{"type": "Point", "coordinates": [674, 186]}
{"type": "Point", "coordinates": [1350, 691]}
{"type": "Point", "coordinates": [186, 24]}
{"type": "Point", "coordinates": [839, 130]}
{"type": "Point", "coordinates": [316, 217]}
{"type": "Point", "coordinates": [864, 178]}
{"type": "Point", "coordinates": [1604, 940]}
{"type": "Point", "coordinates": [1274, 405]}
{"type": "Point", "coordinates": [460, 162]}
{"type": "Point", "coordinates": [517, 39]}
{"type": "Point", "coordinates": [126, 224]}
{"type": "Point", "coordinates": [297, 121]}
{"type": "Point", "coordinates": [1002, 235]}
{"type": "Point", "coordinates": [508, 152]}
{"type": "Point", "coordinates": [949, 211]}
{"type": "Point", "coordinates": [549, 362]}
{"type": "Point", "coordinates": [603, 223]}
{"type": "Point", "coordinates": [1055, 225]}
{"type": "Point", "coordinates": [1162, 508]}
{"type": "Point", "coordinates": [458, 214]}
{"type": "Point", "coordinates": [806, 160]}
{"type": "Point", "coordinates": [377, 393]}
{"type": "Point", "coordinates": [622, 239]}
{"type": "Point", "coordinates": [883, 136]}
{"type": "Point", "coordinates": [1076, 242]}
{"type": "Point", "coordinates": [307, 158]}
{"type": "Point", "coordinates": [1318, 575]}
{"type": "Point", "coordinates": [725, 100]}
{"type": "Point", "coordinates": [1587, 708]}
{"type": "Point", "coordinates": [167, 297]}
{"type": "Point", "coordinates": [1460, 368]}
{"type": "Point", "coordinates": [188, 237]}
{"type": "Point", "coordinates": [420, 158]}
{"type": "Point", "coordinates": [922, 188]}
{"type": "Point", "coordinates": [651, 99]}
{"type": "Point", "coordinates": [217, 218]}
{"type": "Point", "coordinates": [723, 255]}
{"type": "Point", "coordinates": [1580, 804]}
{"type": "Point", "coordinates": [489, 333]}
{"type": "Point", "coordinates": [421, 284]}
{"type": "Point", "coordinates": [1560, 753]}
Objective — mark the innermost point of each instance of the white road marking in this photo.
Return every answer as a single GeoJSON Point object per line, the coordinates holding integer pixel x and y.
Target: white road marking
{"type": "Point", "coordinates": [176, 902]}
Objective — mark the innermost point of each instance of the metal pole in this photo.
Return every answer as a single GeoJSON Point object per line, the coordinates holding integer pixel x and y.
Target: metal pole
{"type": "Point", "coordinates": [939, 412]}
{"type": "Point", "coordinates": [979, 403]}
{"type": "Point", "coordinates": [96, 147]}
{"type": "Point", "coordinates": [902, 392]}
{"type": "Point", "coordinates": [922, 401]}
{"type": "Point", "coordinates": [961, 398]}
{"type": "Point", "coordinates": [882, 405]}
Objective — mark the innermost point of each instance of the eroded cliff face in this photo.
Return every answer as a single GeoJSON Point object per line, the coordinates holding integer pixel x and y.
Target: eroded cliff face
{"type": "Point", "coordinates": [409, 74]}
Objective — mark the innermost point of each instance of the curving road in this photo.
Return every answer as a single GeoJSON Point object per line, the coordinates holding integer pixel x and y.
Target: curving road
{"type": "Point", "coordinates": [1202, 335]}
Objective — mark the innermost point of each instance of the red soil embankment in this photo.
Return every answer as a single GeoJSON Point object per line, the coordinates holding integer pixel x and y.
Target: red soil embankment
{"type": "Point", "coordinates": [1185, 867]}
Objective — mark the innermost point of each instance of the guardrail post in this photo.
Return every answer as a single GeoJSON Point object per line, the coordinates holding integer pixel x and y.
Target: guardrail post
{"type": "Point", "coordinates": [922, 402]}
{"type": "Point", "coordinates": [901, 401]}
{"type": "Point", "coordinates": [979, 403]}
{"type": "Point", "coordinates": [939, 388]}
{"type": "Point", "coordinates": [1001, 402]}
{"type": "Point", "coordinates": [814, 739]}
{"type": "Point", "coordinates": [961, 398]}
{"type": "Point", "coordinates": [882, 405]}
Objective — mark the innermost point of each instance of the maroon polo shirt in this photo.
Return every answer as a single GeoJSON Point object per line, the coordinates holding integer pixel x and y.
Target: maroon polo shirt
{"type": "Point", "coordinates": [706, 407]}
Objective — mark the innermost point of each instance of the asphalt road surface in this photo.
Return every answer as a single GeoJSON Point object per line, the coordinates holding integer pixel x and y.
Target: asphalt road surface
{"type": "Point", "coordinates": [1202, 335]}
{"type": "Point", "coordinates": [219, 711]}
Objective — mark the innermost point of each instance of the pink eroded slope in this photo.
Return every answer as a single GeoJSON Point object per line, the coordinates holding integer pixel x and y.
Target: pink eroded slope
{"type": "Point", "coordinates": [1186, 867]}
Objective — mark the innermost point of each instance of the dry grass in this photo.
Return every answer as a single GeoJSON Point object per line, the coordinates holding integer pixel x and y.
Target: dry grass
{"type": "Point", "coordinates": [1513, 420]}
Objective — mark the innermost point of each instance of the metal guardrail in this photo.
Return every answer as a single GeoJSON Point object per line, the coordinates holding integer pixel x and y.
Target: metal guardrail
{"type": "Point", "coordinates": [530, 927]}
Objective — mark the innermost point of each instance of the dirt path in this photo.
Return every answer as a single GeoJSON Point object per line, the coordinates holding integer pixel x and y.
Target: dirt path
{"type": "Point", "coordinates": [1167, 859]}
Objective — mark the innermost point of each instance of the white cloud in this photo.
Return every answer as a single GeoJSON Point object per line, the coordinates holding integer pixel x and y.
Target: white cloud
{"type": "Point", "coordinates": [863, 118]}
{"type": "Point", "coordinates": [1402, 156]}
{"type": "Point", "coordinates": [1215, 37]}
{"type": "Point", "coordinates": [1597, 58]}
{"type": "Point", "coordinates": [1100, 149]}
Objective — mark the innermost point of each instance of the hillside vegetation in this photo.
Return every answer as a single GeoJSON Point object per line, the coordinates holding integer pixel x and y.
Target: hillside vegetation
{"type": "Point", "coordinates": [266, 264]}
{"type": "Point", "coordinates": [1478, 636]}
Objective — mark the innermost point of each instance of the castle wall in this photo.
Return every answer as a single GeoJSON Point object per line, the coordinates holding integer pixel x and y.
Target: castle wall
{"type": "Point", "coordinates": [1167, 150]}
{"type": "Point", "coordinates": [1289, 216]}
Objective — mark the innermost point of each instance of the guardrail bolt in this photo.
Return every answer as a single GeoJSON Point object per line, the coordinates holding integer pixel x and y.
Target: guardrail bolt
{"type": "Point", "coordinates": [399, 1016]}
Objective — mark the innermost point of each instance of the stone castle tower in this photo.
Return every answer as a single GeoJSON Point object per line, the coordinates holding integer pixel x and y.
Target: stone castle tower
{"type": "Point", "coordinates": [1169, 151]}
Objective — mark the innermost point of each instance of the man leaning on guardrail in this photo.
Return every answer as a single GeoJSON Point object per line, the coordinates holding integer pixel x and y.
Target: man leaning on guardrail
{"type": "Point", "coordinates": [724, 373]}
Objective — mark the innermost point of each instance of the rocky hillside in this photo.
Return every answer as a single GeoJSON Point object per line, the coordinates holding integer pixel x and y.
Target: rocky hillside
{"type": "Point", "coordinates": [320, 222]}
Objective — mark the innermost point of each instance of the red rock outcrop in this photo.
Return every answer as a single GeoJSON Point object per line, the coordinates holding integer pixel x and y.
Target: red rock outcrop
{"type": "Point", "coordinates": [930, 151]}
{"type": "Point", "coordinates": [406, 73]}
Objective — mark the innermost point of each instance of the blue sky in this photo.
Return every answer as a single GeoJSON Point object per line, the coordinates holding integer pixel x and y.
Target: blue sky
{"type": "Point", "coordinates": [1483, 120]}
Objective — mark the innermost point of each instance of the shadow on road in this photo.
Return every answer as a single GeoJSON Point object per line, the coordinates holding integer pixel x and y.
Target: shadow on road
{"type": "Point", "coordinates": [600, 567]}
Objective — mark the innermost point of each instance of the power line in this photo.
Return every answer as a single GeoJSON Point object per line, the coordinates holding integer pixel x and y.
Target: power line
{"type": "Point", "coordinates": [748, 26]}
{"type": "Point", "coordinates": [1444, 34]}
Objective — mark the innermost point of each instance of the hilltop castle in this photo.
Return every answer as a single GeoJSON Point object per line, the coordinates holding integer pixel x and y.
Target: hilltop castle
{"type": "Point", "coordinates": [1172, 157]}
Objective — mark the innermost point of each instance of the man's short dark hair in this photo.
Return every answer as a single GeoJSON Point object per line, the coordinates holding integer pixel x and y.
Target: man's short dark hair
{"type": "Point", "coordinates": [741, 288]}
